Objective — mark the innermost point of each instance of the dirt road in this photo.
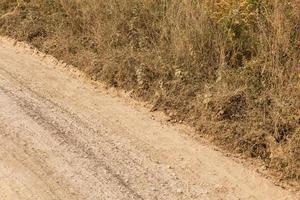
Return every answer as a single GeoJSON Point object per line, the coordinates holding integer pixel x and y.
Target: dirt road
{"type": "Point", "coordinates": [63, 138]}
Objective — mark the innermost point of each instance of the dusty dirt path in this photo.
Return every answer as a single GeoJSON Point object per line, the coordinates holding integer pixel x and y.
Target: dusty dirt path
{"type": "Point", "coordinates": [62, 138]}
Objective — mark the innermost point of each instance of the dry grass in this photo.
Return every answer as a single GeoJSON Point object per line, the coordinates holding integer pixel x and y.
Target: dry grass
{"type": "Point", "coordinates": [228, 67]}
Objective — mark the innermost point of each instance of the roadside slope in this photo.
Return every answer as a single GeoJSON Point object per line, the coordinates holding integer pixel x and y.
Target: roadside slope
{"type": "Point", "coordinates": [62, 138]}
{"type": "Point", "coordinates": [188, 60]}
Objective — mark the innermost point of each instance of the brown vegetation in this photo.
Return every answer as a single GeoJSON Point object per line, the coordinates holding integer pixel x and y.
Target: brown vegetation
{"type": "Point", "coordinates": [228, 67]}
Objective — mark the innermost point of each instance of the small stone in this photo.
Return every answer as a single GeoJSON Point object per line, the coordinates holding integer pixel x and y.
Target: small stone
{"type": "Point", "coordinates": [263, 168]}
{"type": "Point", "coordinates": [204, 192]}
{"type": "Point", "coordinates": [179, 191]}
{"type": "Point", "coordinates": [216, 149]}
{"type": "Point", "coordinates": [171, 114]}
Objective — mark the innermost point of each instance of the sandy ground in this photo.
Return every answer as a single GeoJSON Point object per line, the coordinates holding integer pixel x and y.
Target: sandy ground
{"type": "Point", "coordinates": [63, 138]}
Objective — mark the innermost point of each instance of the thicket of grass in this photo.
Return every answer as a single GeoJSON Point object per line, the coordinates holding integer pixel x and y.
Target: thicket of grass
{"type": "Point", "coordinates": [228, 67]}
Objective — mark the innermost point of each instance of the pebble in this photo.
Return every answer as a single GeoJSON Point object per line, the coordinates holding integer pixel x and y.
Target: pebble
{"type": "Point", "coordinates": [179, 191]}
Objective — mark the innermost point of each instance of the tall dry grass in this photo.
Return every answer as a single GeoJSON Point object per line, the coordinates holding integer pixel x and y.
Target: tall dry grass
{"type": "Point", "coordinates": [228, 67]}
